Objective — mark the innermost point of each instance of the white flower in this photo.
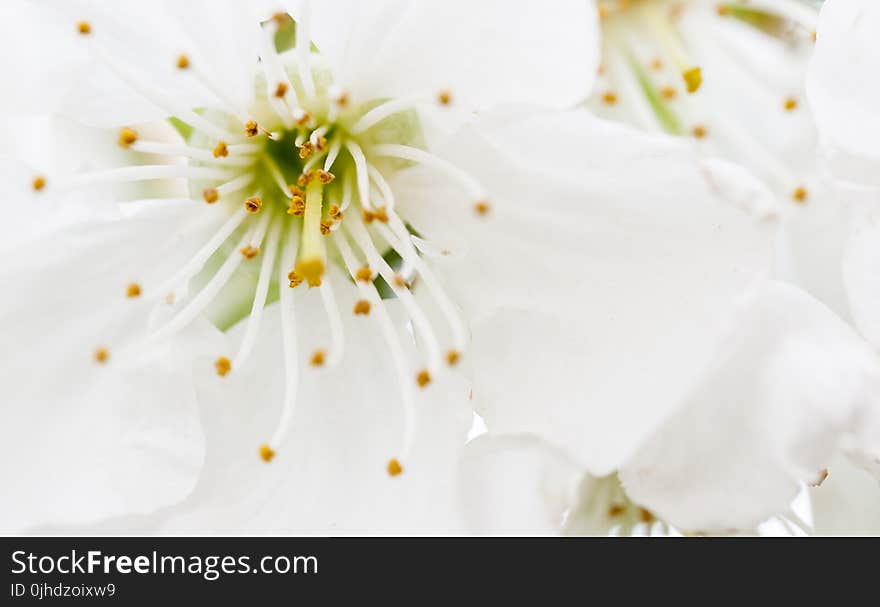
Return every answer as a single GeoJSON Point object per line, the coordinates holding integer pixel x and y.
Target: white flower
{"type": "Point", "coordinates": [286, 174]}
{"type": "Point", "coordinates": [787, 386]}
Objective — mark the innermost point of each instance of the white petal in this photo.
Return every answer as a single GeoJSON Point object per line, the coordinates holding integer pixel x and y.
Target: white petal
{"type": "Point", "coordinates": [516, 485]}
{"type": "Point", "coordinates": [791, 387]}
{"type": "Point", "coordinates": [599, 281]}
{"type": "Point", "coordinates": [843, 96]}
{"type": "Point", "coordinates": [83, 440]}
{"type": "Point", "coordinates": [329, 476]}
{"type": "Point", "coordinates": [485, 53]}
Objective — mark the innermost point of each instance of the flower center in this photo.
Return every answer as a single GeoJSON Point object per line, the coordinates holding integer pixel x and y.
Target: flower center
{"type": "Point", "coordinates": [302, 178]}
{"type": "Point", "coordinates": [652, 75]}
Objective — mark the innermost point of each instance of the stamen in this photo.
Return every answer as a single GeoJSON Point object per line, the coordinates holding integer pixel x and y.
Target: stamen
{"type": "Point", "coordinates": [332, 153]}
{"type": "Point", "coordinates": [260, 295]}
{"type": "Point", "coordinates": [38, 183]}
{"type": "Point", "coordinates": [363, 177]}
{"type": "Point", "coordinates": [211, 195]}
{"type": "Point", "coordinates": [133, 290]}
{"type": "Point", "coordinates": [251, 128]}
{"type": "Point", "coordinates": [223, 366]}
{"type": "Point", "coordinates": [249, 251]}
{"type": "Point", "coordinates": [384, 188]}
{"type": "Point", "coordinates": [102, 355]}
{"type": "Point", "coordinates": [253, 204]}
{"type": "Point", "coordinates": [609, 97]}
{"type": "Point", "coordinates": [221, 150]}
{"type": "Point", "coordinates": [482, 208]}
{"type": "Point", "coordinates": [281, 90]}
{"type": "Point", "coordinates": [699, 131]}
{"type": "Point", "coordinates": [394, 468]}
{"type": "Point", "coordinates": [385, 110]}
{"type": "Point", "coordinates": [364, 274]}
{"type": "Point", "coordinates": [328, 298]}
{"type": "Point", "coordinates": [423, 378]}
{"type": "Point", "coordinates": [127, 137]}
{"type": "Point", "coordinates": [84, 28]}
{"type": "Point", "coordinates": [444, 97]}
{"type": "Point", "coordinates": [799, 194]}
{"type": "Point", "coordinates": [146, 173]}
{"type": "Point", "coordinates": [266, 453]}
{"type": "Point", "coordinates": [317, 359]}
{"type": "Point", "coordinates": [420, 156]}
{"type": "Point", "coordinates": [452, 358]}
{"type": "Point", "coordinates": [303, 50]}
{"type": "Point", "coordinates": [390, 335]}
{"type": "Point", "coordinates": [288, 335]}
{"type": "Point", "coordinates": [362, 307]}
{"type": "Point", "coordinates": [790, 104]}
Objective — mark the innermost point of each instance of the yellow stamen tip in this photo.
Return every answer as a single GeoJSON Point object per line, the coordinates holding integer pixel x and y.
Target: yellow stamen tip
{"type": "Point", "coordinates": [452, 358]}
{"type": "Point", "coordinates": [251, 128]}
{"type": "Point", "coordinates": [790, 104]}
{"type": "Point", "coordinates": [318, 357]}
{"type": "Point", "coordinates": [211, 195]}
{"type": "Point", "coordinates": [253, 204]}
{"type": "Point", "coordinates": [800, 194]}
{"type": "Point", "coordinates": [444, 97]}
{"type": "Point", "coordinates": [249, 251]}
{"type": "Point", "coordinates": [281, 90]}
{"type": "Point", "coordinates": [362, 306]}
{"type": "Point", "coordinates": [700, 131]}
{"type": "Point", "coordinates": [221, 150]}
{"type": "Point", "coordinates": [609, 98]}
{"type": "Point", "coordinates": [423, 378]}
{"type": "Point", "coordinates": [38, 183]}
{"type": "Point", "coordinates": [84, 28]}
{"type": "Point", "coordinates": [102, 355]}
{"type": "Point", "coordinates": [223, 366]}
{"type": "Point", "coordinates": [182, 62]}
{"type": "Point", "coordinates": [267, 453]}
{"type": "Point", "coordinates": [482, 208]}
{"type": "Point", "coordinates": [127, 137]}
{"type": "Point", "coordinates": [394, 468]}
{"type": "Point", "coordinates": [693, 78]}
{"type": "Point", "coordinates": [133, 290]}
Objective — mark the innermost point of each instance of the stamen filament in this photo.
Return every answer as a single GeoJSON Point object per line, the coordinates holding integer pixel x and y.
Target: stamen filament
{"type": "Point", "coordinates": [312, 255]}
{"type": "Point", "coordinates": [147, 173]}
{"type": "Point", "coordinates": [201, 154]}
{"type": "Point", "coordinates": [405, 152]}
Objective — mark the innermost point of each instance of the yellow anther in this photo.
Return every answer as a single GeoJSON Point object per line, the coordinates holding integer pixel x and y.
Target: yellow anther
{"type": "Point", "coordinates": [381, 214]}
{"type": "Point", "coordinates": [616, 510]}
{"type": "Point", "coordinates": [294, 279]}
{"type": "Point", "coordinates": [322, 143]}
{"type": "Point", "coordinates": [223, 366]}
{"type": "Point", "coordinates": [699, 131]}
{"type": "Point", "coordinates": [311, 270]}
{"type": "Point", "coordinates": [251, 128]}
{"type": "Point", "coordinates": [452, 358]}
{"type": "Point", "coordinates": [84, 28]}
{"type": "Point", "coordinates": [297, 206]}
{"type": "Point", "coordinates": [362, 307]}
{"type": "Point", "coordinates": [444, 97]}
{"type": "Point", "coordinates": [127, 137]}
{"type": "Point", "coordinates": [394, 468]}
{"type": "Point", "coordinates": [790, 104]}
{"type": "Point", "coordinates": [38, 183]}
{"type": "Point", "coordinates": [133, 290]}
{"type": "Point", "coordinates": [325, 227]}
{"type": "Point", "coordinates": [266, 453]}
{"type": "Point", "coordinates": [368, 216]}
{"type": "Point", "coordinates": [668, 92]}
{"type": "Point", "coordinates": [211, 195]}
{"type": "Point", "coordinates": [423, 378]}
{"type": "Point", "coordinates": [656, 64]}
{"type": "Point", "coordinates": [221, 150]}
{"type": "Point", "coordinates": [281, 89]}
{"type": "Point", "coordinates": [325, 177]}
{"type": "Point", "coordinates": [335, 212]}
{"type": "Point", "coordinates": [253, 204]}
{"type": "Point", "coordinates": [693, 78]}
{"type": "Point", "coordinates": [364, 274]}
{"type": "Point", "coordinates": [249, 252]}
{"type": "Point", "coordinates": [304, 119]}
{"type": "Point", "coordinates": [723, 10]}
{"type": "Point", "coordinates": [646, 515]}
{"type": "Point", "coordinates": [296, 191]}
{"type": "Point", "coordinates": [482, 208]}
{"type": "Point", "coordinates": [102, 355]}
{"type": "Point", "coordinates": [400, 281]}
{"type": "Point", "coordinates": [182, 62]}
{"type": "Point", "coordinates": [304, 179]}
{"type": "Point", "coordinates": [609, 98]}
{"type": "Point", "coordinates": [317, 359]}
{"type": "Point", "coordinates": [342, 99]}
{"type": "Point", "coordinates": [800, 194]}
{"type": "Point", "coordinates": [306, 150]}
{"type": "Point", "coordinates": [169, 299]}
